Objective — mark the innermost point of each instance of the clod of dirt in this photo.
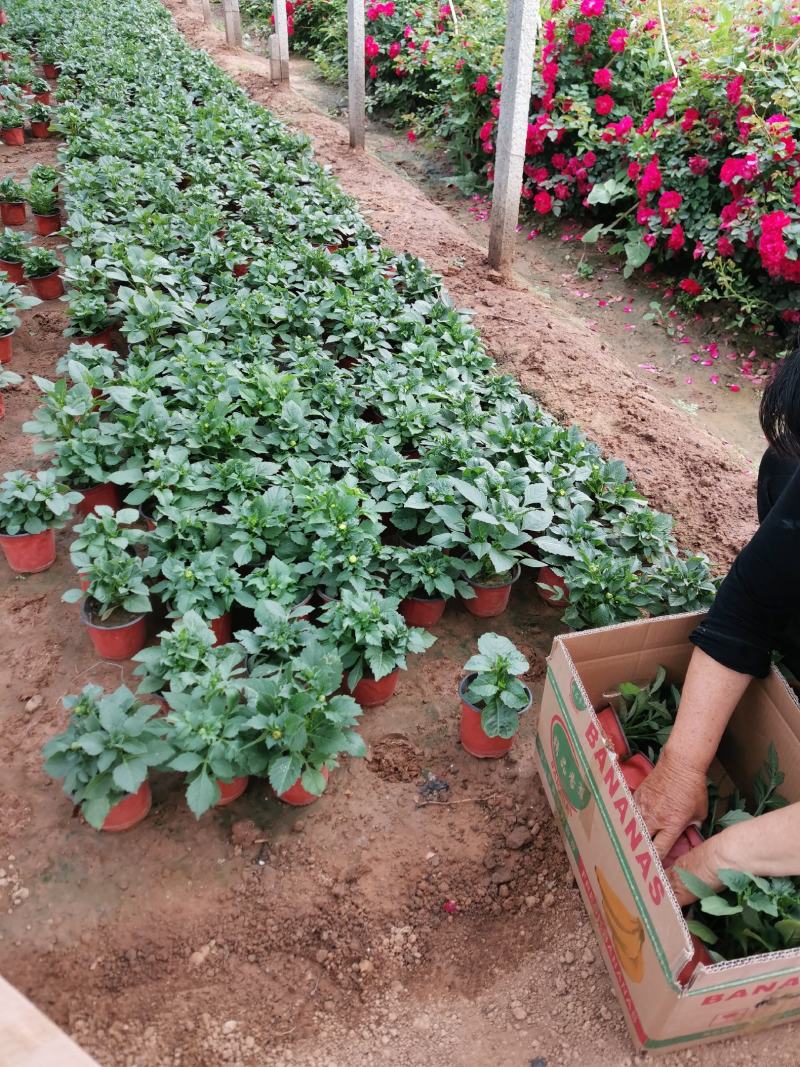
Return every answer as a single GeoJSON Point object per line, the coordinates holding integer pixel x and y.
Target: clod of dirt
{"type": "Point", "coordinates": [395, 759]}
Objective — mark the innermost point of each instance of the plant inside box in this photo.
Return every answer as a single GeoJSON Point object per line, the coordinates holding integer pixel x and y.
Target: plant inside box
{"type": "Point", "coordinates": [185, 658]}
{"type": "Point", "coordinates": [648, 713]}
{"type": "Point", "coordinates": [107, 750]}
{"type": "Point", "coordinates": [279, 634]}
{"type": "Point", "coordinates": [492, 689]}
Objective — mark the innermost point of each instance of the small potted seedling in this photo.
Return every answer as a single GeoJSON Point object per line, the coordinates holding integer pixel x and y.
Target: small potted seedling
{"type": "Point", "coordinates": [12, 126]}
{"type": "Point", "coordinates": [13, 210]}
{"type": "Point", "coordinates": [43, 200]}
{"type": "Point", "coordinates": [7, 378]}
{"type": "Point", "coordinates": [117, 602]}
{"type": "Point", "coordinates": [50, 65]}
{"type": "Point", "coordinates": [41, 91]}
{"type": "Point", "coordinates": [90, 320]}
{"type": "Point", "coordinates": [42, 267]}
{"type": "Point", "coordinates": [425, 578]}
{"type": "Point", "coordinates": [40, 116]}
{"type": "Point", "coordinates": [12, 249]}
{"type": "Point", "coordinates": [105, 754]}
{"type": "Point", "coordinates": [492, 697]}
{"type": "Point", "coordinates": [11, 301]}
{"type": "Point", "coordinates": [32, 507]}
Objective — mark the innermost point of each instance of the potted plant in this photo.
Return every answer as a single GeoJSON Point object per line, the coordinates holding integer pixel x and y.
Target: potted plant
{"type": "Point", "coordinates": [90, 319]}
{"type": "Point", "coordinates": [32, 506]}
{"type": "Point", "coordinates": [42, 267]}
{"type": "Point", "coordinates": [492, 697]}
{"type": "Point", "coordinates": [13, 210]}
{"type": "Point", "coordinates": [12, 125]}
{"type": "Point", "coordinates": [279, 634]}
{"type": "Point", "coordinates": [45, 174]}
{"type": "Point", "coordinates": [117, 601]}
{"type": "Point", "coordinates": [43, 200]}
{"type": "Point", "coordinates": [277, 581]}
{"type": "Point", "coordinates": [12, 249]}
{"type": "Point", "coordinates": [373, 640]}
{"type": "Point", "coordinates": [207, 731]}
{"type": "Point", "coordinates": [299, 726]}
{"type": "Point", "coordinates": [41, 92]}
{"type": "Point", "coordinates": [424, 578]}
{"type": "Point", "coordinates": [206, 584]}
{"type": "Point", "coordinates": [104, 533]}
{"type": "Point", "coordinates": [7, 378]}
{"type": "Point", "coordinates": [50, 65]}
{"type": "Point", "coordinates": [105, 754]}
{"type": "Point", "coordinates": [11, 300]}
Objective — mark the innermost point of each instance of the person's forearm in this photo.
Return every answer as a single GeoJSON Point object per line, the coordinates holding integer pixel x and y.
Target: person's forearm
{"type": "Point", "coordinates": [768, 845]}
{"type": "Point", "coordinates": [709, 698]}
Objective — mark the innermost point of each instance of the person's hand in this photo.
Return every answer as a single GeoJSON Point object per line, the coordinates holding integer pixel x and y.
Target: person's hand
{"type": "Point", "coordinates": [703, 862]}
{"type": "Point", "coordinates": [672, 796]}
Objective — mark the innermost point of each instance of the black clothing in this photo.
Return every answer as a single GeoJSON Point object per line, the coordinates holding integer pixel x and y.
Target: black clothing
{"type": "Point", "coordinates": [757, 608]}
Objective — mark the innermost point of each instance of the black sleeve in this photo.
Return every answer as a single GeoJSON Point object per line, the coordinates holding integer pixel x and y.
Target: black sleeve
{"type": "Point", "coordinates": [760, 594]}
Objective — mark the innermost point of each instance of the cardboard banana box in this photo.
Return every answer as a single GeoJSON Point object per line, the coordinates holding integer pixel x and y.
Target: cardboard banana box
{"type": "Point", "coordinates": [642, 933]}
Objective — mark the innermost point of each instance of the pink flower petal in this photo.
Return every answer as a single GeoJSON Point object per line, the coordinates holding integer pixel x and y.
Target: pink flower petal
{"type": "Point", "coordinates": [735, 388]}
{"type": "Point", "coordinates": [714, 379]}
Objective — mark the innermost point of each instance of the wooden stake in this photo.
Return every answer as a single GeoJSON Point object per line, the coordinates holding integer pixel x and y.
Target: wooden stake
{"type": "Point", "coordinates": [274, 58]}
{"type": "Point", "coordinates": [233, 23]}
{"type": "Point", "coordinates": [515, 103]}
{"type": "Point", "coordinates": [206, 11]}
{"type": "Point", "coordinates": [356, 72]}
{"type": "Point", "coordinates": [282, 31]}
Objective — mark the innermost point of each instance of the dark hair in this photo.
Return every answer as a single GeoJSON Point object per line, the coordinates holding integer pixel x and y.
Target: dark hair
{"type": "Point", "coordinates": [780, 408]}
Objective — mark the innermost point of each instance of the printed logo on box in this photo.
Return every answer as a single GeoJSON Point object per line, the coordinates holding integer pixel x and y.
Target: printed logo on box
{"type": "Point", "coordinates": [565, 764]}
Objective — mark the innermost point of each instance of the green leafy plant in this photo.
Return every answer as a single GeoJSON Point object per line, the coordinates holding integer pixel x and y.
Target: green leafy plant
{"type": "Point", "coordinates": [425, 571]}
{"type": "Point", "coordinates": [12, 245]}
{"type": "Point", "coordinates": [105, 534]}
{"type": "Point", "coordinates": [12, 299]}
{"type": "Point", "coordinates": [33, 502]}
{"type": "Point", "coordinates": [496, 690]}
{"type": "Point", "coordinates": [280, 633]}
{"type": "Point", "coordinates": [43, 198]}
{"type": "Point", "coordinates": [89, 313]}
{"type": "Point", "coordinates": [44, 174]}
{"type": "Point", "coordinates": [39, 112]}
{"type": "Point", "coordinates": [205, 584]}
{"type": "Point", "coordinates": [648, 713]}
{"type": "Point", "coordinates": [40, 262]}
{"type": "Point", "coordinates": [107, 750]}
{"type": "Point", "coordinates": [11, 118]}
{"type": "Point", "coordinates": [11, 192]}
{"type": "Point", "coordinates": [116, 583]}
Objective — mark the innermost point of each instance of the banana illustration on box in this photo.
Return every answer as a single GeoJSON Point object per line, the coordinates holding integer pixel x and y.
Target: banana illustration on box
{"type": "Point", "coordinates": [626, 930]}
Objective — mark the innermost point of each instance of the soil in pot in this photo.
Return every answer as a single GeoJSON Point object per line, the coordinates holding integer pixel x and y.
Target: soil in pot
{"type": "Point", "coordinates": [612, 728]}
{"type": "Point", "coordinates": [299, 797]}
{"type": "Point", "coordinates": [130, 811]}
{"type": "Point", "coordinates": [50, 287]}
{"type": "Point", "coordinates": [29, 553]}
{"type": "Point", "coordinates": [118, 637]}
{"type": "Point", "coordinates": [491, 598]}
{"type": "Point", "coordinates": [230, 791]}
{"type": "Point", "coordinates": [95, 495]}
{"type": "Point", "coordinates": [549, 577]}
{"type": "Point", "coordinates": [6, 347]}
{"type": "Point", "coordinates": [473, 737]}
{"type": "Point", "coordinates": [14, 137]}
{"type": "Point", "coordinates": [635, 769]}
{"type": "Point", "coordinates": [14, 271]}
{"type": "Point", "coordinates": [47, 224]}
{"type": "Point", "coordinates": [421, 610]}
{"type": "Point", "coordinates": [13, 214]}
{"type": "Point", "coordinates": [371, 693]}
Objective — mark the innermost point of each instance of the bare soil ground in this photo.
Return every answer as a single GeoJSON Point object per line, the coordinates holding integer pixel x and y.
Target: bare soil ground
{"type": "Point", "coordinates": [263, 936]}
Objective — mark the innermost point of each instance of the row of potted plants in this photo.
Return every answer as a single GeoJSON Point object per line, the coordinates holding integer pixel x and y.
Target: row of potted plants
{"type": "Point", "coordinates": [41, 194]}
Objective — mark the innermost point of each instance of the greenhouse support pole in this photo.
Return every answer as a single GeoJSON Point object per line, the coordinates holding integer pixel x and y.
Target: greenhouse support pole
{"type": "Point", "coordinates": [207, 11]}
{"type": "Point", "coordinates": [233, 23]}
{"type": "Point", "coordinates": [282, 30]}
{"type": "Point", "coordinates": [512, 129]}
{"type": "Point", "coordinates": [274, 58]}
{"type": "Point", "coordinates": [356, 72]}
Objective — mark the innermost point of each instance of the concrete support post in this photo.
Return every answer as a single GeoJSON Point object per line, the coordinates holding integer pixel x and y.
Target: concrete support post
{"type": "Point", "coordinates": [356, 72]}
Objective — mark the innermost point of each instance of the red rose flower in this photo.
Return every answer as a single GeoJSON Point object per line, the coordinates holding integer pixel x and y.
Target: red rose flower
{"type": "Point", "coordinates": [592, 8]}
{"type": "Point", "coordinates": [634, 169]}
{"type": "Point", "coordinates": [604, 104]}
{"type": "Point", "coordinates": [481, 84]}
{"type": "Point", "coordinates": [373, 71]}
{"type": "Point", "coordinates": [724, 247]}
{"type": "Point", "coordinates": [733, 89]}
{"type": "Point", "coordinates": [589, 159]}
{"type": "Point", "coordinates": [690, 117]}
{"type": "Point", "coordinates": [603, 78]}
{"type": "Point", "coordinates": [617, 39]}
{"type": "Point", "coordinates": [371, 47]}
{"type": "Point", "coordinates": [677, 238]}
{"type": "Point", "coordinates": [690, 286]}
{"type": "Point", "coordinates": [698, 164]}
{"type": "Point", "coordinates": [562, 191]}
{"type": "Point", "coordinates": [582, 33]}
{"type": "Point", "coordinates": [650, 181]}
{"type": "Point", "coordinates": [394, 49]}
{"type": "Point", "coordinates": [543, 202]}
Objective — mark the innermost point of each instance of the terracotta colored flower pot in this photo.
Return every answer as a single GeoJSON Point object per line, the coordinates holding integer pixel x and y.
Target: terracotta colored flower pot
{"type": "Point", "coordinates": [47, 224]}
{"type": "Point", "coordinates": [240, 269]}
{"type": "Point", "coordinates": [222, 629]}
{"type": "Point", "coordinates": [299, 797]}
{"type": "Point", "coordinates": [14, 137]}
{"type": "Point", "coordinates": [230, 791]}
{"type": "Point", "coordinates": [422, 611]}
{"type": "Point", "coordinates": [43, 98]}
{"type": "Point", "coordinates": [14, 271]}
{"type": "Point", "coordinates": [29, 553]}
{"type": "Point", "coordinates": [116, 642]}
{"type": "Point", "coordinates": [473, 737]}
{"type": "Point", "coordinates": [371, 693]}
{"type": "Point", "coordinates": [107, 493]}
{"type": "Point", "coordinates": [40, 130]}
{"type": "Point", "coordinates": [3, 21]}
{"type": "Point", "coordinates": [102, 338]}
{"type": "Point", "coordinates": [689, 839]}
{"type": "Point", "coordinates": [50, 287]}
{"type": "Point", "coordinates": [2, 406]}
{"type": "Point", "coordinates": [51, 70]}
{"type": "Point", "coordinates": [612, 728]}
{"type": "Point", "coordinates": [13, 214]}
{"type": "Point", "coordinates": [635, 770]}
{"type": "Point", "coordinates": [549, 577]}
{"type": "Point", "coordinates": [700, 955]}
{"type": "Point", "coordinates": [130, 811]}
{"type": "Point", "coordinates": [6, 347]}
{"type": "Point", "coordinates": [491, 600]}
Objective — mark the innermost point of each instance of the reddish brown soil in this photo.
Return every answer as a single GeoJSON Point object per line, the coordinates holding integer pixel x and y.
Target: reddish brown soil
{"type": "Point", "coordinates": [264, 936]}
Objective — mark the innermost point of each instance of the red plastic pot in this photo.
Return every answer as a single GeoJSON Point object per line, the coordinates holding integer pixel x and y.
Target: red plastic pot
{"type": "Point", "coordinates": [14, 271]}
{"type": "Point", "coordinates": [51, 70]}
{"type": "Point", "coordinates": [689, 839]}
{"type": "Point", "coordinates": [43, 98]}
{"type": "Point", "coordinates": [240, 269]}
{"type": "Point", "coordinates": [2, 407]}
{"type": "Point", "coordinates": [299, 797]}
{"type": "Point", "coordinates": [3, 21]}
{"type": "Point", "coordinates": [700, 955]}
{"type": "Point", "coordinates": [422, 611]}
{"type": "Point", "coordinates": [47, 224]}
{"type": "Point", "coordinates": [14, 137]}
{"type": "Point", "coordinates": [6, 347]}
{"type": "Point", "coordinates": [40, 130]}
{"type": "Point", "coordinates": [29, 553]}
{"type": "Point", "coordinates": [612, 728]}
{"type": "Point", "coordinates": [50, 287]}
{"type": "Point", "coordinates": [116, 641]}
{"type": "Point", "coordinates": [230, 791]}
{"type": "Point", "coordinates": [549, 577]}
{"type": "Point", "coordinates": [635, 770]}
{"type": "Point", "coordinates": [371, 693]}
{"type": "Point", "coordinates": [96, 495]}
{"type": "Point", "coordinates": [222, 629]}
{"type": "Point", "coordinates": [473, 737]}
{"type": "Point", "coordinates": [130, 811]}
{"type": "Point", "coordinates": [102, 338]}
{"type": "Point", "coordinates": [491, 600]}
{"type": "Point", "coordinates": [13, 214]}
